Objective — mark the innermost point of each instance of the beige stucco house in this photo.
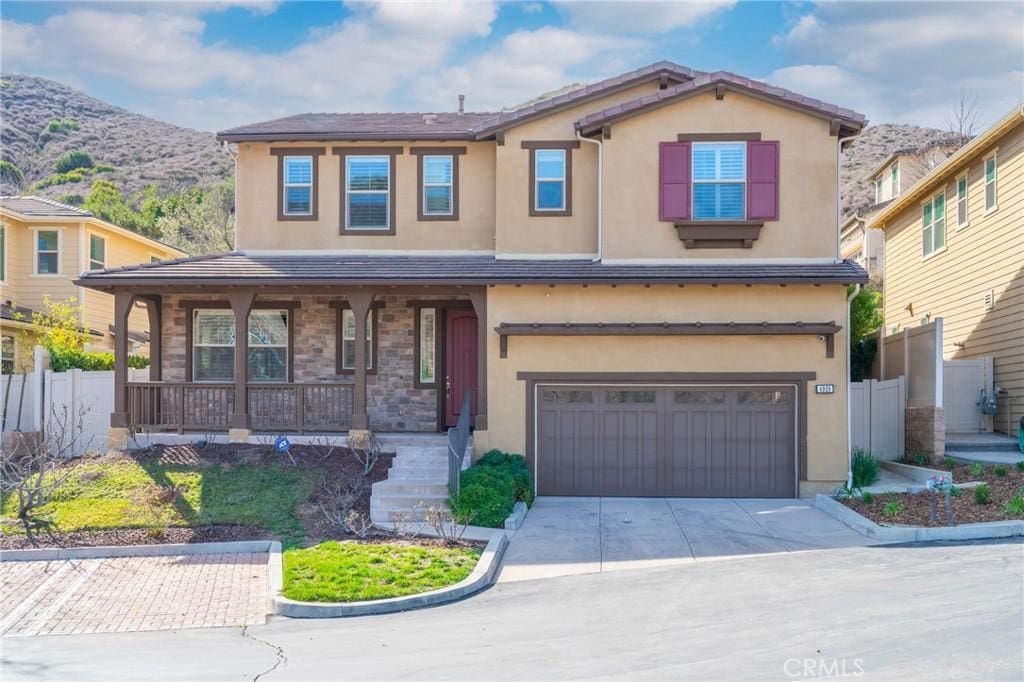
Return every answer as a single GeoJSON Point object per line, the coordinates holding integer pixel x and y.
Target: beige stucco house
{"type": "Point", "coordinates": [954, 248]}
{"type": "Point", "coordinates": [44, 247]}
{"type": "Point", "coordinates": [637, 284]}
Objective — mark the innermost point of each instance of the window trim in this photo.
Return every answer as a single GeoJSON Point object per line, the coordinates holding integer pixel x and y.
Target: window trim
{"type": "Point", "coordinates": [36, 252]}
{"type": "Point", "coordinates": [3, 252]}
{"type": "Point", "coordinates": [994, 156]}
{"type": "Point", "coordinates": [343, 153]}
{"type": "Point", "coordinates": [693, 183]}
{"type": "Point", "coordinates": [342, 306]}
{"type": "Point", "coordinates": [417, 311]}
{"type": "Point", "coordinates": [545, 145]}
{"type": "Point", "coordinates": [878, 190]}
{"type": "Point", "coordinates": [894, 179]}
{"type": "Point", "coordinates": [421, 153]}
{"type": "Point", "coordinates": [315, 153]}
{"type": "Point", "coordinates": [192, 304]}
{"type": "Point", "coordinates": [285, 185]}
{"type": "Point", "coordinates": [965, 176]}
{"type": "Point", "coordinates": [945, 224]}
{"type": "Point", "coordinates": [88, 255]}
{"type": "Point", "coordinates": [193, 314]}
{"type": "Point", "coordinates": [14, 353]}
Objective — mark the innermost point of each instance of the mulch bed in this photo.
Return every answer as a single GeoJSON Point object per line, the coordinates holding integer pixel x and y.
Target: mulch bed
{"type": "Point", "coordinates": [335, 466]}
{"type": "Point", "coordinates": [917, 506]}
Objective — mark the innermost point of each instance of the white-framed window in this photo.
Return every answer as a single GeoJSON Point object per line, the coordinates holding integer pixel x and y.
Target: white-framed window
{"type": "Point", "coordinates": [298, 185]}
{"type": "Point", "coordinates": [368, 192]}
{"type": "Point", "coordinates": [3, 253]}
{"type": "Point", "coordinates": [878, 190]}
{"type": "Point", "coordinates": [933, 224]}
{"type": "Point", "coordinates": [7, 354]}
{"type": "Point", "coordinates": [438, 189]}
{"type": "Point", "coordinates": [47, 246]}
{"type": "Point", "coordinates": [991, 171]}
{"type": "Point", "coordinates": [348, 339]}
{"type": "Point", "coordinates": [894, 179]}
{"type": "Point", "coordinates": [427, 344]}
{"type": "Point", "coordinates": [549, 169]}
{"type": "Point", "coordinates": [962, 216]}
{"type": "Point", "coordinates": [97, 252]}
{"type": "Point", "coordinates": [213, 345]}
{"type": "Point", "coordinates": [719, 180]}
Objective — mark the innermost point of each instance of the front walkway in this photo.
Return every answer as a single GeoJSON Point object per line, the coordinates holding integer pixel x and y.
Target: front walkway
{"type": "Point", "coordinates": [131, 594]}
{"type": "Point", "coordinates": [573, 535]}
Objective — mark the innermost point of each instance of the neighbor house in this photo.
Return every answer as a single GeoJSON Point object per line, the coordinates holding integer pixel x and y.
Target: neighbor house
{"type": "Point", "coordinates": [636, 283]}
{"type": "Point", "coordinates": [954, 248]}
{"type": "Point", "coordinates": [44, 247]}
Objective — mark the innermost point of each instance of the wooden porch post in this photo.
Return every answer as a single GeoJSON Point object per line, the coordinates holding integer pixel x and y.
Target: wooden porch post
{"type": "Point", "coordinates": [479, 300]}
{"type": "Point", "coordinates": [123, 302]}
{"type": "Point", "coordinates": [360, 303]}
{"type": "Point", "coordinates": [154, 309]}
{"type": "Point", "coordinates": [241, 303]}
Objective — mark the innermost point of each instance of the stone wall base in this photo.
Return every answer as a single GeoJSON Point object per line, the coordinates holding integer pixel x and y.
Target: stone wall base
{"type": "Point", "coordinates": [117, 438]}
{"type": "Point", "coordinates": [926, 431]}
{"type": "Point", "coordinates": [239, 435]}
{"type": "Point", "coordinates": [808, 489]}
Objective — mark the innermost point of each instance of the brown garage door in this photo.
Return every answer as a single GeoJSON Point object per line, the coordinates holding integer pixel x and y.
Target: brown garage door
{"type": "Point", "coordinates": [666, 441]}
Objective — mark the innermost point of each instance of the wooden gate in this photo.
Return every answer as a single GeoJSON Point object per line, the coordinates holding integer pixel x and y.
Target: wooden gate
{"type": "Point", "coordinates": [962, 384]}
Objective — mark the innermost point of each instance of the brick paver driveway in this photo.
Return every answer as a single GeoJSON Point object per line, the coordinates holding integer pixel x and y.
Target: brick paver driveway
{"type": "Point", "coordinates": [132, 593]}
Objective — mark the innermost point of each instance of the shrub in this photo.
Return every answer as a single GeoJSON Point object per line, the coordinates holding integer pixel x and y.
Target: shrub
{"type": "Point", "coordinates": [865, 468]}
{"type": "Point", "coordinates": [867, 498]}
{"type": "Point", "coordinates": [1020, 465]}
{"type": "Point", "coordinates": [73, 160]}
{"type": "Point", "coordinates": [138, 361]}
{"type": "Point", "coordinates": [482, 505]}
{"type": "Point", "coordinates": [10, 172]}
{"type": "Point", "coordinates": [1015, 506]}
{"type": "Point", "coordinates": [103, 168]}
{"type": "Point", "coordinates": [77, 175]}
{"type": "Point", "coordinates": [956, 492]}
{"type": "Point", "coordinates": [977, 469]}
{"type": "Point", "coordinates": [61, 125]}
{"type": "Point", "coordinates": [982, 494]}
{"type": "Point", "coordinates": [63, 360]}
{"type": "Point", "coordinates": [892, 509]}
{"type": "Point", "coordinates": [515, 466]}
{"type": "Point", "coordinates": [489, 477]}
{"type": "Point", "coordinates": [1000, 470]}
{"type": "Point", "coordinates": [949, 463]}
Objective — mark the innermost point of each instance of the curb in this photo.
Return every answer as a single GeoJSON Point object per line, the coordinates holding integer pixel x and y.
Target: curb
{"type": "Point", "coordinates": [477, 533]}
{"type": "Point", "coordinates": [518, 515]}
{"type": "Point", "coordinates": [483, 575]}
{"type": "Point", "coordinates": [62, 553]}
{"type": "Point", "coordinates": [867, 527]}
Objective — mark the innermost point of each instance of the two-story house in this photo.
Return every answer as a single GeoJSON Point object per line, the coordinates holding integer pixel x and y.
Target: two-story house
{"type": "Point", "coordinates": [954, 248]}
{"type": "Point", "coordinates": [636, 283]}
{"type": "Point", "coordinates": [44, 247]}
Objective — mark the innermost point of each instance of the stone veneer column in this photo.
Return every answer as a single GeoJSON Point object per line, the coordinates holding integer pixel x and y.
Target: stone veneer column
{"type": "Point", "coordinates": [926, 431]}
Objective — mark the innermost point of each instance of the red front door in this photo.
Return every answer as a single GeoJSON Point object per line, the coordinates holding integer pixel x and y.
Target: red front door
{"type": "Point", "coordinates": [459, 362]}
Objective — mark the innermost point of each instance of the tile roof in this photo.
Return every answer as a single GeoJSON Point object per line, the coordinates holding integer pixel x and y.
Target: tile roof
{"type": "Point", "coordinates": [41, 206]}
{"type": "Point", "coordinates": [444, 125]}
{"type": "Point", "coordinates": [263, 269]}
{"type": "Point", "coordinates": [17, 313]}
{"type": "Point", "coordinates": [591, 122]}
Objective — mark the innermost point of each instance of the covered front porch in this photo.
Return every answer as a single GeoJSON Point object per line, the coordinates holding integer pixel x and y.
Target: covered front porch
{"type": "Point", "coordinates": [299, 368]}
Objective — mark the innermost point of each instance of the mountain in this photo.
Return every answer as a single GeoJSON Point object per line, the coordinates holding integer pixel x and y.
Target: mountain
{"type": "Point", "coordinates": [873, 146]}
{"type": "Point", "coordinates": [44, 120]}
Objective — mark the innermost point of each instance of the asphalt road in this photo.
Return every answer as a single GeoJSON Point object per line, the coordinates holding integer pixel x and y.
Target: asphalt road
{"type": "Point", "coordinates": [927, 612]}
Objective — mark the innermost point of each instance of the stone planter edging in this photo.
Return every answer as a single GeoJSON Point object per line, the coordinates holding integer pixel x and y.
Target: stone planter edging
{"type": "Point", "coordinates": [518, 515]}
{"type": "Point", "coordinates": [483, 575]}
{"type": "Point", "coordinates": [867, 527]}
{"type": "Point", "coordinates": [912, 471]}
{"type": "Point", "coordinates": [105, 552]}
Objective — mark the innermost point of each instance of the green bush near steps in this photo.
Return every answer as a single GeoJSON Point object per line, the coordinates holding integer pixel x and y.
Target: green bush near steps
{"type": "Point", "coordinates": [64, 360]}
{"type": "Point", "coordinates": [489, 489]}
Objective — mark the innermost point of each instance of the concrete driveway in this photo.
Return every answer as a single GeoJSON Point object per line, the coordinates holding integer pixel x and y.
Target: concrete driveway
{"type": "Point", "coordinates": [573, 535]}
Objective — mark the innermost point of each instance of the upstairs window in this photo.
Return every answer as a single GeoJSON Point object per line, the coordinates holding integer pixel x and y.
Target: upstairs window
{"type": "Point", "coordinates": [3, 253]}
{"type": "Point", "coordinates": [933, 224]}
{"type": "Point", "coordinates": [719, 180]}
{"type": "Point", "coordinates": [894, 180]}
{"type": "Point", "coordinates": [368, 192]}
{"type": "Point", "coordinates": [97, 252]}
{"type": "Point", "coordinates": [298, 186]}
{"type": "Point", "coordinates": [878, 190]}
{"type": "Point", "coordinates": [438, 185]}
{"type": "Point", "coordinates": [991, 200]}
{"type": "Point", "coordinates": [48, 252]}
{"type": "Point", "coordinates": [961, 201]}
{"type": "Point", "coordinates": [549, 179]}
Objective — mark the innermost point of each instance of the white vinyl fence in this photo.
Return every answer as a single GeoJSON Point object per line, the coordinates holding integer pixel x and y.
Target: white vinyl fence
{"type": "Point", "coordinates": [915, 353]}
{"type": "Point", "coordinates": [962, 385]}
{"type": "Point", "coordinates": [877, 416]}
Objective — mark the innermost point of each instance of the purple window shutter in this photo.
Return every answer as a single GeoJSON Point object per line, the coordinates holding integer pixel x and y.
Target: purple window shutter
{"type": "Point", "coordinates": [762, 180]}
{"type": "Point", "coordinates": [674, 176]}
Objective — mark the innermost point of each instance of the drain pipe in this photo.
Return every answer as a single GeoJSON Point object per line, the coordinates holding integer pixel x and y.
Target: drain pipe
{"type": "Point", "coordinates": [600, 194]}
{"type": "Point", "coordinates": [849, 420]}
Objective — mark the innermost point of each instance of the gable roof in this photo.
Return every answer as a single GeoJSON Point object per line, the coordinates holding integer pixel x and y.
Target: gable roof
{"type": "Point", "coordinates": [41, 207]}
{"type": "Point", "coordinates": [849, 121]}
{"type": "Point", "coordinates": [980, 144]}
{"type": "Point", "coordinates": [953, 141]}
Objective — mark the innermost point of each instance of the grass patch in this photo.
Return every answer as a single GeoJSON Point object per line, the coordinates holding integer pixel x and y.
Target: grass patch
{"type": "Point", "coordinates": [104, 494]}
{"type": "Point", "coordinates": [351, 571]}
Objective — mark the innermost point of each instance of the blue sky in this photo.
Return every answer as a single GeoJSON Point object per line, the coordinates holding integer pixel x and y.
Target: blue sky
{"type": "Point", "coordinates": [211, 65]}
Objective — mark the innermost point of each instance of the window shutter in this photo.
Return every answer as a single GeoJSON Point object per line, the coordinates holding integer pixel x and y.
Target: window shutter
{"type": "Point", "coordinates": [762, 180]}
{"type": "Point", "coordinates": [674, 197]}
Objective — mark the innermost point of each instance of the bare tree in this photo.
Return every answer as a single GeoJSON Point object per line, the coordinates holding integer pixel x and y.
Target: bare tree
{"type": "Point", "coordinates": [338, 507]}
{"type": "Point", "coordinates": [964, 117]}
{"type": "Point", "coordinates": [366, 450]}
{"type": "Point", "coordinates": [39, 463]}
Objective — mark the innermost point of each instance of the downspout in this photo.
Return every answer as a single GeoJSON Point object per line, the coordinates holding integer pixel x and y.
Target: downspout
{"type": "Point", "coordinates": [600, 194]}
{"type": "Point", "coordinates": [849, 420]}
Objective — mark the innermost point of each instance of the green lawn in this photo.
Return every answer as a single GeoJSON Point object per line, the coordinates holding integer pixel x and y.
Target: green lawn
{"type": "Point", "coordinates": [123, 493]}
{"type": "Point", "coordinates": [352, 571]}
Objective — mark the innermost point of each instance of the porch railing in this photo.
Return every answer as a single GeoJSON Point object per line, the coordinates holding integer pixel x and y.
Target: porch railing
{"type": "Point", "coordinates": [186, 406]}
{"type": "Point", "coordinates": [458, 437]}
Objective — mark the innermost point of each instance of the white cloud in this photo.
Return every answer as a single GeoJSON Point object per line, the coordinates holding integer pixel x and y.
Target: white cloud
{"type": "Point", "coordinates": [640, 17]}
{"type": "Point", "coordinates": [904, 62]}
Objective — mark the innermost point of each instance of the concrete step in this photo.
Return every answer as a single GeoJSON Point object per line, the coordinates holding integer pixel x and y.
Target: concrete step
{"type": "Point", "coordinates": [417, 487]}
{"type": "Point", "coordinates": [407, 501]}
{"type": "Point", "coordinates": [378, 517]}
{"type": "Point", "coordinates": [414, 450]}
{"type": "Point", "coordinates": [980, 442]}
{"type": "Point", "coordinates": [421, 459]}
{"type": "Point", "coordinates": [439, 474]}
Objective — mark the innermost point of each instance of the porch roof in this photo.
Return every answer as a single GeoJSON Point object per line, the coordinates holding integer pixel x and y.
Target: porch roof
{"type": "Point", "coordinates": [267, 270]}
